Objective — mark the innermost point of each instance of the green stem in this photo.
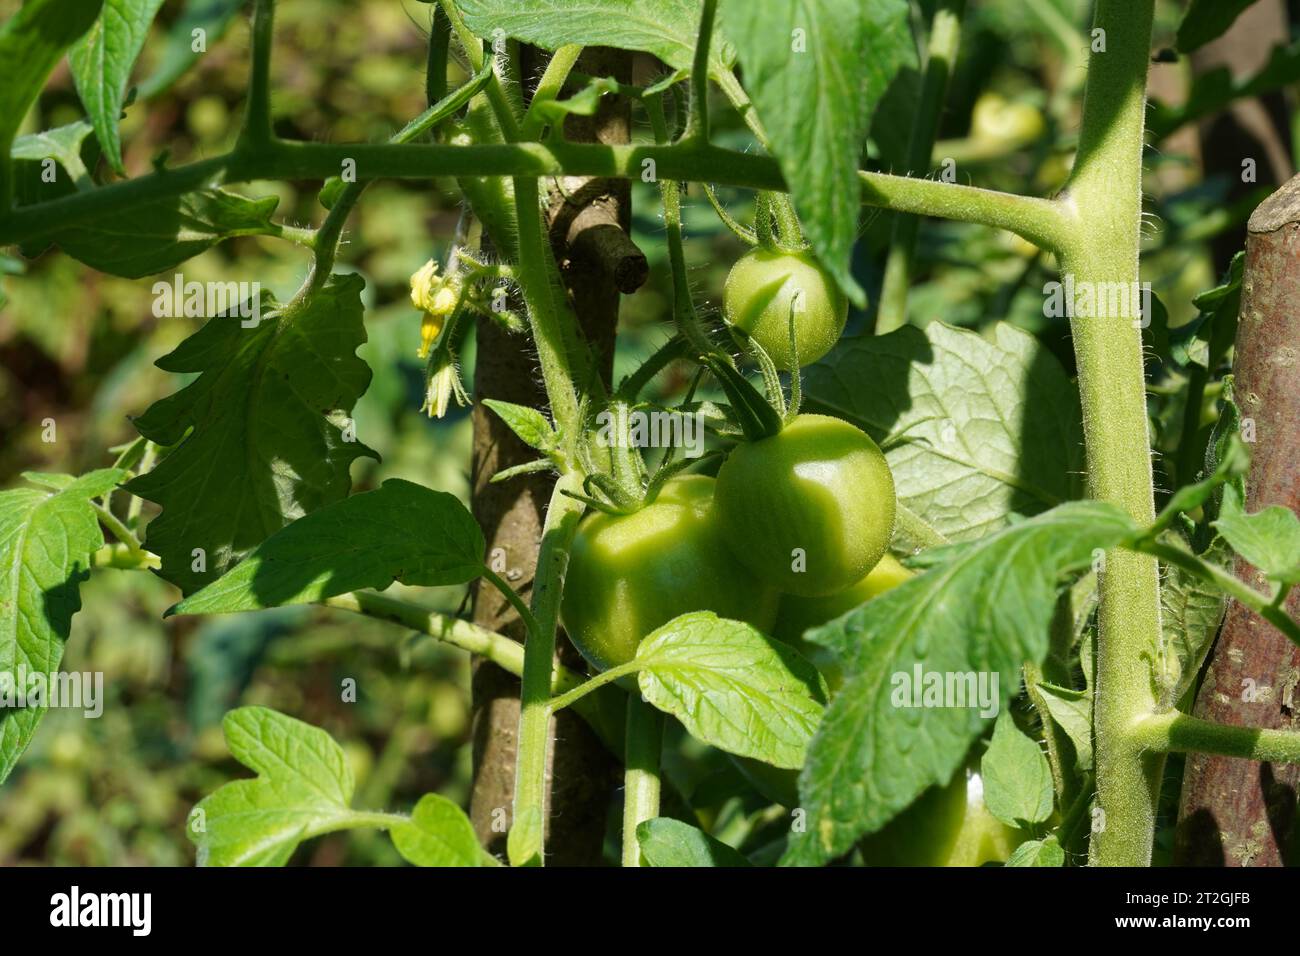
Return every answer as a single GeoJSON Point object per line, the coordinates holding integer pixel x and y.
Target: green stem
{"type": "Point", "coordinates": [945, 40]}
{"type": "Point", "coordinates": [1038, 220]}
{"type": "Point", "coordinates": [515, 601]}
{"type": "Point", "coordinates": [688, 321]}
{"type": "Point", "coordinates": [645, 734]}
{"type": "Point", "coordinates": [697, 124]}
{"type": "Point", "coordinates": [125, 558]}
{"type": "Point", "coordinates": [1181, 733]}
{"type": "Point", "coordinates": [665, 355]}
{"type": "Point", "coordinates": [548, 88]}
{"type": "Point", "coordinates": [136, 504]}
{"type": "Point", "coordinates": [473, 46]}
{"type": "Point", "coordinates": [500, 650]}
{"type": "Point", "coordinates": [120, 531]}
{"type": "Point", "coordinates": [741, 232]}
{"type": "Point", "coordinates": [730, 86]}
{"type": "Point", "coordinates": [257, 130]}
{"type": "Point", "coordinates": [544, 314]}
{"type": "Point", "coordinates": [1102, 247]}
{"type": "Point", "coordinates": [572, 696]}
{"type": "Point", "coordinates": [1265, 605]}
{"type": "Point", "coordinates": [497, 648]}
{"type": "Point", "coordinates": [1046, 223]}
{"type": "Point", "coordinates": [526, 843]}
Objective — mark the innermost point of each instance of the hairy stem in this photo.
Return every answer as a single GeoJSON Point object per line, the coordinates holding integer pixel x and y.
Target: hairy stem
{"type": "Point", "coordinates": [697, 125]}
{"type": "Point", "coordinates": [526, 843]}
{"type": "Point", "coordinates": [1183, 733]}
{"type": "Point", "coordinates": [548, 88]}
{"type": "Point", "coordinates": [257, 128]}
{"type": "Point", "coordinates": [945, 39]}
{"type": "Point", "coordinates": [1102, 249]}
{"type": "Point", "coordinates": [645, 734]}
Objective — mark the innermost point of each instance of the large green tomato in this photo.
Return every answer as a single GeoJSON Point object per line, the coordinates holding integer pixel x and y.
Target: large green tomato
{"type": "Point", "coordinates": [761, 289]}
{"type": "Point", "coordinates": [628, 574]}
{"type": "Point", "coordinates": [810, 510]}
{"type": "Point", "coordinates": [946, 826]}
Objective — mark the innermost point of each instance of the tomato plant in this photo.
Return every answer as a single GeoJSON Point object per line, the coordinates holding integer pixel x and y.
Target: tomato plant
{"type": "Point", "coordinates": [820, 372]}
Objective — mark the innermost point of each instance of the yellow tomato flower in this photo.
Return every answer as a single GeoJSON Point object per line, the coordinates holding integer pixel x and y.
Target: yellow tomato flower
{"type": "Point", "coordinates": [436, 297]}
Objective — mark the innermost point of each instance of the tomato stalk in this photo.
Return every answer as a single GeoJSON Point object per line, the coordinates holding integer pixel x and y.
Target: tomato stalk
{"type": "Point", "coordinates": [945, 39]}
{"type": "Point", "coordinates": [1104, 200]}
{"type": "Point", "coordinates": [641, 778]}
{"type": "Point", "coordinates": [257, 129]}
{"type": "Point", "coordinates": [526, 842]}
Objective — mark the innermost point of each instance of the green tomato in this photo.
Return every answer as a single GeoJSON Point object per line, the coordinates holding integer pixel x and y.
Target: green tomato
{"type": "Point", "coordinates": [996, 119]}
{"type": "Point", "coordinates": [810, 510]}
{"type": "Point", "coordinates": [799, 614]}
{"type": "Point", "coordinates": [761, 289]}
{"type": "Point", "coordinates": [945, 826]}
{"type": "Point", "coordinates": [629, 574]}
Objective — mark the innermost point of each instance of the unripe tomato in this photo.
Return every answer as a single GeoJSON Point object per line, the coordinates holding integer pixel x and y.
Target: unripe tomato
{"type": "Point", "coordinates": [997, 119]}
{"type": "Point", "coordinates": [810, 510]}
{"type": "Point", "coordinates": [798, 614]}
{"type": "Point", "coordinates": [946, 826]}
{"type": "Point", "coordinates": [629, 574]}
{"type": "Point", "coordinates": [761, 289]}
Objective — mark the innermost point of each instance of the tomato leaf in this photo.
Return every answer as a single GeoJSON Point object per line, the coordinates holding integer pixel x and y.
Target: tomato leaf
{"type": "Point", "coordinates": [303, 789]}
{"type": "Point", "coordinates": [32, 42]}
{"type": "Point", "coordinates": [975, 431]}
{"type": "Point", "coordinates": [732, 687]}
{"type": "Point", "coordinates": [1046, 852]}
{"type": "Point", "coordinates": [815, 70]}
{"type": "Point", "coordinates": [162, 234]}
{"type": "Point", "coordinates": [1072, 711]}
{"type": "Point", "coordinates": [101, 64]}
{"type": "Point", "coordinates": [1206, 20]}
{"type": "Point", "coordinates": [1268, 539]}
{"type": "Point", "coordinates": [528, 424]}
{"type": "Point", "coordinates": [399, 532]}
{"type": "Point", "coordinates": [978, 616]}
{"type": "Point", "coordinates": [668, 842]}
{"type": "Point", "coordinates": [1017, 777]}
{"type": "Point", "coordinates": [1191, 610]}
{"type": "Point", "coordinates": [439, 834]}
{"type": "Point", "coordinates": [666, 28]}
{"type": "Point", "coordinates": [177, 53]}
{"type": "Point", "coordinates": [47, 535]}
{"type": "Point", "coordinates": [260, 434]}
{"type": "Point", "coordinates": [62, 144]}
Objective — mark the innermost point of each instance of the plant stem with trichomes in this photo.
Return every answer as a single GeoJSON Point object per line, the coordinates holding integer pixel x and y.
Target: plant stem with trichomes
{"type": "Point", "coordinates": [1105, 197]}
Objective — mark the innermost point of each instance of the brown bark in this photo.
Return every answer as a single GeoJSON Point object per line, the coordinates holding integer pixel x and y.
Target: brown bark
{"type": "Point", "coordinates": [596, 266]}
{"type": "Point", "coordinates": [1239, 812]}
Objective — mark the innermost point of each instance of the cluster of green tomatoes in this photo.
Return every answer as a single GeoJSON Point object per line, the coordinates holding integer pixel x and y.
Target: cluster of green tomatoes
{"type": "Point", "coordinates": [794, 529]}
{"type": "Point", "coordinates": [793, 532]}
